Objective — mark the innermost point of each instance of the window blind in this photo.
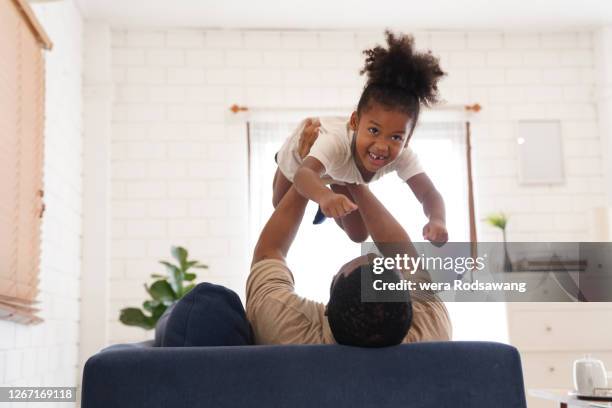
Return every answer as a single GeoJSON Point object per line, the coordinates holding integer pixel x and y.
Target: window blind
{"type": "Point", "coordinates": [21, 159]}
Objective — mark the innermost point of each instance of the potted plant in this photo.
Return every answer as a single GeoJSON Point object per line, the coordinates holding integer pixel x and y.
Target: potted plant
{"type": "Point", "coordinates": [165, 291]}
{"type": "Point", "coordinates": [500, 220]}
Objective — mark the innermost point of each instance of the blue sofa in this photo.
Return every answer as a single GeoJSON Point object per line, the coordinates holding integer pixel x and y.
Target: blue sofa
{"type": "Point", "coordinates": [448, 374]}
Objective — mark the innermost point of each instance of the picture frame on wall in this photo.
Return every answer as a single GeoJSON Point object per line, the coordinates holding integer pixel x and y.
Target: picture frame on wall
{"type": "Point", "coordinates": [540, 152]}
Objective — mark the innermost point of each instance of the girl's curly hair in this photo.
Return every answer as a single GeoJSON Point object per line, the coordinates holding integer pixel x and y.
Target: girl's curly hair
{"type": "Point", "coordinates": [400, 77]}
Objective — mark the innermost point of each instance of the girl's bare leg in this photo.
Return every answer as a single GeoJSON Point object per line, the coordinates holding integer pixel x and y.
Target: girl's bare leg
{"type": "Point", "coordinates": [352, 223]}
{"type": "Point", "coordinates": [309, 135]}
{"type": "Point", "coordinates": [280, 186]}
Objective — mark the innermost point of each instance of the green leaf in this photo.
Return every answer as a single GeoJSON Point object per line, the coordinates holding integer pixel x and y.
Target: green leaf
{"type": "Point", "coordinates": [180, 254]}
{"type": "Point", "coordinates": [158, 276]}
{"type": "Point", "coordinates": [174, 276]}
{"type": "Point", "coordinates": [189, 276]}
{"type": "Point", "coordinates": [135, 317]}
{"type": "Point", "coordinates": [170, 302]}
{"type": "Point", "coordinates": [149, 305]}
{"type": "Point", "coordinates": [170, 267]}
{"type": "Point", "coordinates": [201, 266]}
{"type": "Point", "coordinates": [158, 312]}
{"type": "Point", "coordinates": [162, 291]}
{"type": "Point", "coordinates": [498, 220]}
{"type": "Point", "coordinates": [196, 264]}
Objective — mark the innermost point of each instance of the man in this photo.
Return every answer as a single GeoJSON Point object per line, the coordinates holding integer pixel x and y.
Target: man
{"type": "Point", "coordinates": [279, 316]}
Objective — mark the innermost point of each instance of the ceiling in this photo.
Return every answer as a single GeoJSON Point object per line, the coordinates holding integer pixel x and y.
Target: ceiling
{"type": "Point", "coordinates": [532, 15]}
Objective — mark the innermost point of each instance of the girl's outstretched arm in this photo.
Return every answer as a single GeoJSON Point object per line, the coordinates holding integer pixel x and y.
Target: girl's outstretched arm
{"type": "Point", "coordinates": [308, 183]}
{"type": "Point", "coordinates": [433, 207]}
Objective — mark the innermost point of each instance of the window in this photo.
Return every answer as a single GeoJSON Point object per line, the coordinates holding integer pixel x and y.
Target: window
{"type": "Point", "coordinates": [21, 155]}
{"type": "Point", "coordinates": [319, 251]}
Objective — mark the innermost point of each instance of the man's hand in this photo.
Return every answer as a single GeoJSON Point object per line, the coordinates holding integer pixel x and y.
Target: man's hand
{"type": "Point", "coordinates": [435, 232]}
{"type": "Point", "coordinates": [309, 135]}
{"type": "Point", "coordinates": [336, 205]}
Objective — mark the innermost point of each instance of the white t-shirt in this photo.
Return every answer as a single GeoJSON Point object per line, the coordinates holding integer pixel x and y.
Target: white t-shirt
{"type": "Point", "coordinates": [333, 149]}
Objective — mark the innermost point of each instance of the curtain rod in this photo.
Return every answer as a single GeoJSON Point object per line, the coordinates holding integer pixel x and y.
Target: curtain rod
{"type": "Point", "coordinates": [235, 108]}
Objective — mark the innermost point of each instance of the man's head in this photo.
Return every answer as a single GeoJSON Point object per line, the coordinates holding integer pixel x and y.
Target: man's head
{"type": "Point", "coordinates": [365, 324]}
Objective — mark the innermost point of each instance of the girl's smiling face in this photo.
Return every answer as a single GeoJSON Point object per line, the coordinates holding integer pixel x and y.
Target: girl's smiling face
{"type": "Point", "coordinates": [381, 136]}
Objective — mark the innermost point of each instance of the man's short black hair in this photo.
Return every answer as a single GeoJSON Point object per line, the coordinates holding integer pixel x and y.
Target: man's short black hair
{"type": "Point", "coordinates": [367, 324]}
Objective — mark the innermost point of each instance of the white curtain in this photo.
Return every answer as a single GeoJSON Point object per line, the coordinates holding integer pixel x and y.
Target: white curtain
{"type": "Point", "coordinates": [319, 251]}
{"type": "Point", "coordinates": [265, 139]}
{"type": "Point", "coordinates": [442, 151]}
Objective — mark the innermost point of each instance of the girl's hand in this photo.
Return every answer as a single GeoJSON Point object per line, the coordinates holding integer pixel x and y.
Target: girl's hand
{"type": "Point", "coordinates": [336, 205]}
{"type": "Point", "coordinates": [435, 232]}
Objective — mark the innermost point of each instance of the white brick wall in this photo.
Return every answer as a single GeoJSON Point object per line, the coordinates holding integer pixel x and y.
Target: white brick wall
{"type": "Point", "coordinates": [179, 164]}
{"type": "Point", "coordinates": [46, 354]}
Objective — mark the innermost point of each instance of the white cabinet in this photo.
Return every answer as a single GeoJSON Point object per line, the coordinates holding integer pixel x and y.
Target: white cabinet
{"type": "Point", "coordinates": [550, 336]}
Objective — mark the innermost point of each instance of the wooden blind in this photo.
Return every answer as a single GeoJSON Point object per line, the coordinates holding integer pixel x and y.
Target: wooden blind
{"type": "Point", "coordinates": [21, 158]}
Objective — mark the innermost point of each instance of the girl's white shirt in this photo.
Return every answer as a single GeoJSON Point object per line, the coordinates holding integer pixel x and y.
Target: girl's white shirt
{"type": "Point", "coordinates": [333, 149]}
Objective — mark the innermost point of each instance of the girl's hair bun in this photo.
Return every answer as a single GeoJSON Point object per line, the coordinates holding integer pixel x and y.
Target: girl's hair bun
{"type": "Point", "coordinates": [401, 66]}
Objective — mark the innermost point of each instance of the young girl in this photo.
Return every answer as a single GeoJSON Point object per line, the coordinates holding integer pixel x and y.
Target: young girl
{"type": "Point", "coordinates": [371, 143]}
